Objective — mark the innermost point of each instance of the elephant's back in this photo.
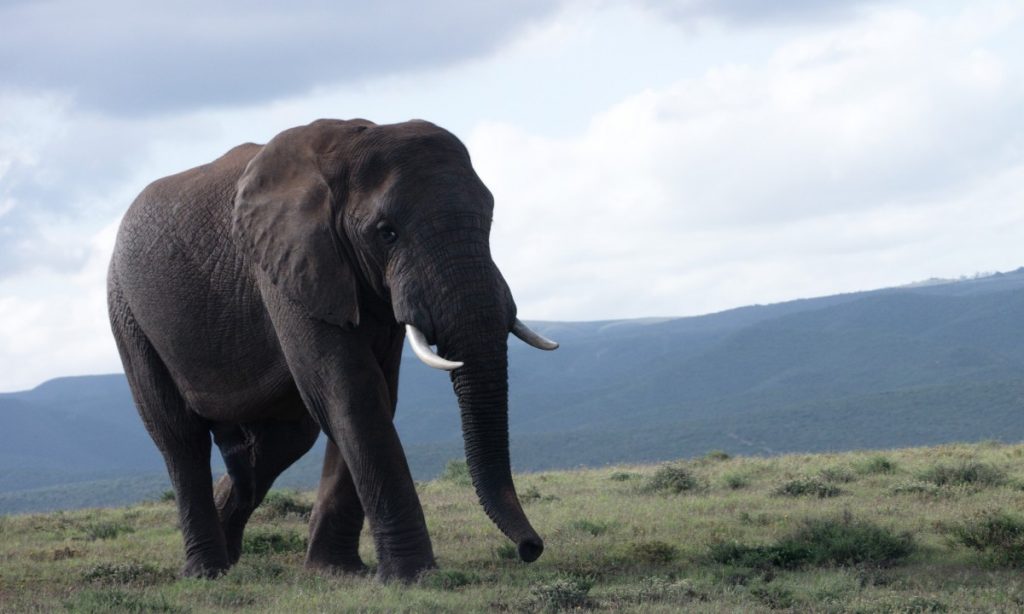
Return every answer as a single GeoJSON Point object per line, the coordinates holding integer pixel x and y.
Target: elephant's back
{"type": "Point", "coordinates": [189, 287]}
{"type": "Point", "coordinates": [179, 227]}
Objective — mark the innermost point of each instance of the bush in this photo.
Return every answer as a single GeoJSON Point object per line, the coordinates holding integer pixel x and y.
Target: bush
{"type": "Point", "coordinates": [106, 530]}
{"type": "Point", "coordinates": [673, 479]}
{"type": "Point", "coordinates": [915, 488]}
{"type": "Point", "coordinates": [448, 579]}
{"type": "Point", "coordinates": [653, 552]}
{"type": "Point", "coordinates": [167, 496]}
{"type": "Point", "coordinates": [717, 455]}
{"type": "Point", "coordinates": [775, 597]}
{"type": "Point", "coordinates": [506, 552]}
{"type": "Point", "coordinates": [875, 464]}
{"type": "Point", "coordinates": [560, 594]}
{"type": "Point", "coordinates": [840, 475]}
{"type": "Point", "coordinates": [969, 473]}
{"type": "Point", "coordinates": [266, 542]}
{"type": "Point", "coordinates": [836, 541]}
{"type": "Point", "coordinates": [623, 476]}
{"type": "Point", "coordinates": [457, 472]}
{"type": "Point", "coordinates": [655, 589]}
{"type": "Point", "coordinates": [807, 487]}
{"type": "Point", "coordinates": [591, 527]}
{"type": "Point", "coordinates": [736, 481]}
{"type": "Point", "coordinates": [127, 573]}
{"type": "Point", "coordinates": [281, 505]}
{"type": "Point", "coordinates": [997, 534]}
{"type": "Point", "coordinates": [533, 495]}
{"type": "Point", "coordinates": [101, 601]}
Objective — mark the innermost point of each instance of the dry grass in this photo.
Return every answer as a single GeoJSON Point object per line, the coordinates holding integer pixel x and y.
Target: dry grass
{"type": "Point", "coordinates": [611, 545]}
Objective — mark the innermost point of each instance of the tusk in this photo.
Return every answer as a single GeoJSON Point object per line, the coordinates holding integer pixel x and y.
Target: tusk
{"type": "Point", "coordinates": [533, 338]}
{"type": "Point", "coordinates": [420, 347]}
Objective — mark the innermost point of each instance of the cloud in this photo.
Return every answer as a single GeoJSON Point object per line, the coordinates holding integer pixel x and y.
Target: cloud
{"type": "Point", "coordinates": [867, 154]}
{"type": "Point", "coordinates": [748, 12]}
{"type": "Point", "coordinates": [638, 170]}
{"type": "Point", "coordinates": [55, 323]}
{"type": "Point", "coordinates": [130, 58]}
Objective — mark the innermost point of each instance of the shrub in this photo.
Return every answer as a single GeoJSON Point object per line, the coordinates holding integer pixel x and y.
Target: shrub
{"type": "Point", "coordinates": [717, 455]}
{"type": "Point", "coordinates": [560, 594]}
{"type": "Point", "coordinates": [167, 495]}
{"type": "Point", "coordinates": [266, 542]}
{"type": "Point", "coordinates": [775, 597]}
{"type": "Point", "coordinates": [807, 487]}
{"type": "Point", "coordinates": [998, 534]}
{"type": "Point", "coordinates": [762, 519]}
{"type": "Point", "coordinates": [653, 552]}
{"type": "Point", "coordinates": [232, 597]}
{"type": "Point", "coordinates": [969, 473]}
{"type": "Point", "coordinates": [281, 505]}
{"type": "Point", "coordinates": [832, 541]}
{"type": "Point", "coordinates": [506, 552]}
{"type": "Point", "coordinates": [127, 573]}
{"type": "Point", "coordinates": [448, 579]}
{"type": "Point", "coordinates": [457, 472]}
{"type": "Point", "coordinates": [655, 589]}
{"type": "Point", "coordinates": [591, 527]}
{"type": "Point", "coordinates": [106, 530]}
{"type": "Point", "coordinates": [840, 475]}
{"type": "Point", "coordinates": [101, 601]}
{"type": "Point", "coordinates": [875, 464]}
{"type": "Point", "coordinates": [915, 488]}
{"type": "Point", "coordinates": [736, 481]}
{"type": "Point", "coordinates": [533, 495]}
{"type": "Point", "coordinates": [673, 479]}
{"type": "Point", "coordinates": [623, 476]}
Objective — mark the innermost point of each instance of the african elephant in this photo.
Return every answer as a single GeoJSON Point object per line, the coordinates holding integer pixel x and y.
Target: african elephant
{"type": "Point", "coordinates": [265, 296]}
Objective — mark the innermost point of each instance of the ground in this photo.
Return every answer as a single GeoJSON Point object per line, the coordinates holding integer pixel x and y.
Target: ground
{"type": "Point", "coordinates": [937, 529]}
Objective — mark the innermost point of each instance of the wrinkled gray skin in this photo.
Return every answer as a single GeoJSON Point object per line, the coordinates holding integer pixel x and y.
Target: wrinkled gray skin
{"type": "Point", "coordinates": [262, 298]}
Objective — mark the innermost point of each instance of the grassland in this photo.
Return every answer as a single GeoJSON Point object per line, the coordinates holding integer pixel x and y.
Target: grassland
{"type": "Point", "coordinates": [936, 529]}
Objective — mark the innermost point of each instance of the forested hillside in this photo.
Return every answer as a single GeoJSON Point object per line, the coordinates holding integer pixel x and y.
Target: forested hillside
{"type": "Point", "coordinates": [917, 365]}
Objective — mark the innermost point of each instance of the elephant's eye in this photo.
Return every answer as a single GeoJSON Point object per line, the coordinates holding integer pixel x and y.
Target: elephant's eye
{"type": "Point", "coordinates": [387, 233]}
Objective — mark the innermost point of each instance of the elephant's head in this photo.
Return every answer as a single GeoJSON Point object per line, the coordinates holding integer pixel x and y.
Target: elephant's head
{"type": "Point", "coordinates": [347, 216]}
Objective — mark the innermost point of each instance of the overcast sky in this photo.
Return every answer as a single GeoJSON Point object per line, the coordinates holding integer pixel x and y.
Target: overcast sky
{"type": "Point", "coordinates": [647, 158]}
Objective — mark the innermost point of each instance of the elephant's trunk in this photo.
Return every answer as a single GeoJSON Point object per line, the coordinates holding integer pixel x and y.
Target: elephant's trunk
{"type": "Point", "coordinates": [472, 314]}
{"type": "Point", "coordinates": [482, 389]}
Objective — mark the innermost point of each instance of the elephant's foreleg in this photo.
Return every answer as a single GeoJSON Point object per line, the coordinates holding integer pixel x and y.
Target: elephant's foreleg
{"type": "Point", "coordinates": [347, 392]}
{"type": "Point", "coordinates": [337, 519]}
{"type": "Point", "coordinates": [255, 454]}
{"type": "Point", "coordinates": [182, 437]}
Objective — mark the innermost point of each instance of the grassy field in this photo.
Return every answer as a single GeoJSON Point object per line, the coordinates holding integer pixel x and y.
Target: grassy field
{"type": "Point", "coordinates": [936, 529]}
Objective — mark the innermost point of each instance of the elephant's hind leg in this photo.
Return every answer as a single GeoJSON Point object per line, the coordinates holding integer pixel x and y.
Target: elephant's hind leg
{"type": "Point", "coordinates": [182, 437]}
{"type": "Point", "coordinates": [255, 454]}
{"type": "Point", "coordinates": [337, 519]}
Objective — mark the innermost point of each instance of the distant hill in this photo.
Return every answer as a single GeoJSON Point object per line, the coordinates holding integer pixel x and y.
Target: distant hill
{"type": "Point", "coordinates": [922, 364]}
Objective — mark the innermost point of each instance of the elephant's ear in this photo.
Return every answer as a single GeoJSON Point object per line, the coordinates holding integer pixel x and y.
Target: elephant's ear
{"type": "Point", "coordinates": [285, 215]}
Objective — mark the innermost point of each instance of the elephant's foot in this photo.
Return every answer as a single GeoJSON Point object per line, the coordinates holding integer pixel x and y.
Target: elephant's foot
{"type": "Point", "coordinates": [198, 567]}
{"type": "Point", "coordinates": [405, 570]}
{"type": "Point", "coordinates": [342, 565]}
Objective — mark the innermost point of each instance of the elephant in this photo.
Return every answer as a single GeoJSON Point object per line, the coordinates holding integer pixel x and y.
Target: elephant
{"type": "Point", "coordinates": [263, 298]}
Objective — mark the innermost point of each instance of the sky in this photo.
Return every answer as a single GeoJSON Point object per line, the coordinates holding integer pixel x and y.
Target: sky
{"type": "Point", "coordinates": [647, 158]}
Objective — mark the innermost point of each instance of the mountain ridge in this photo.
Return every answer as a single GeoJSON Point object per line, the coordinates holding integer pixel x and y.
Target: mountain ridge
{"type": "Point", "coordinates": [948, 355]}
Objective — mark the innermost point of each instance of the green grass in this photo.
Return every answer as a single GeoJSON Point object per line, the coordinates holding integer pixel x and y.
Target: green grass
{"type": "Point", "coordinates": [936, 529]}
